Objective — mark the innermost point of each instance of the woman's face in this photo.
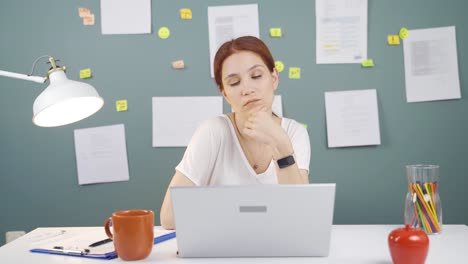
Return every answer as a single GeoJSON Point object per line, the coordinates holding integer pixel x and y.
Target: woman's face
{"type": "Point", "coordinates": [247, 82]}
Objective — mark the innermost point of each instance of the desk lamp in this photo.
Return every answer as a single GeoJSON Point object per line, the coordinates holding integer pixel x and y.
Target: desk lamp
{"type": "Point", "coordinates": [64, 101]}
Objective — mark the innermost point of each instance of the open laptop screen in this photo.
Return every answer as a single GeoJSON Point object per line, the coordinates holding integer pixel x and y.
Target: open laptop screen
{"type": "Point", "coordinates": [254, 220]}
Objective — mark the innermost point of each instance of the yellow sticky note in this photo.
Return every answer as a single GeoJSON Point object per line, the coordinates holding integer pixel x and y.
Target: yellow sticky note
{"type": "Point", "coordinates": [164, 32]}
{"type": "Point", "coordinates": [403, 33]}
{"type": "Point", "coordinates": [276, 32]}
{"type": "Point", "coordinates": [85, 73]}
{"type": "Point", "coordinates": [393, 40]}
{"type": "Point", "coordinates": [294, 73]}
{"type": "Point", "coordinates": [367, 63]}
{"type": "Point", "coordinates": [121, 105]}
{"type": "Point", "coordinates": [185, 13]}
{"type": "Point", "coordinates": [279, 66]}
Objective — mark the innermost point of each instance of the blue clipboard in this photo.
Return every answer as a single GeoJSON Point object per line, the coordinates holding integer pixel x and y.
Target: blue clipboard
{"type": "Point", "coordinates": [105, 256]}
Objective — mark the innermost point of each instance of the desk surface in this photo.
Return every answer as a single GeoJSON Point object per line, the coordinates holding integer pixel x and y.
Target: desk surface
{"type": "Point", "coordinates": [349, 244]}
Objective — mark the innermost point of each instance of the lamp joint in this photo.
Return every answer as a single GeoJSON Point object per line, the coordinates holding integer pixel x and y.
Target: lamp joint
{"type": "Point", "coordinates": [54, 67]}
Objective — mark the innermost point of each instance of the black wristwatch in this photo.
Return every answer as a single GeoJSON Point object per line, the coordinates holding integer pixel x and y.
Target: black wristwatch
{"type": "Point", "coordinates": [286, 161]}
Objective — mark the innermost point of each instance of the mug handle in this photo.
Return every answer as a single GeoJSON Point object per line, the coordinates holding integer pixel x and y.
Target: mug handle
{"type": "Point", "coordinates": [106, 227]}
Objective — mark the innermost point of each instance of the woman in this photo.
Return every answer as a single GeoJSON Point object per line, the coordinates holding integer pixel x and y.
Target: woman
{"type": "Point", "coordinates": [252, 145]}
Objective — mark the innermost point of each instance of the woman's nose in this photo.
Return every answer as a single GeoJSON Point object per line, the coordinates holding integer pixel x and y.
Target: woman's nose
{"type": "Point", "coordinates": [247, 89]}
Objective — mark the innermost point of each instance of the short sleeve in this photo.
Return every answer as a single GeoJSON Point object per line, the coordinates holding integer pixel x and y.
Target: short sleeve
{"type": "Point", "coordinates": [301, 144]}
{"type": "Point", "coordinates": [200, 156]}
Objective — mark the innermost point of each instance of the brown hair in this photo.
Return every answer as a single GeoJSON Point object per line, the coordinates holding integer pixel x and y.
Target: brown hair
{"type": "Point", "coordinates": [246, 43]}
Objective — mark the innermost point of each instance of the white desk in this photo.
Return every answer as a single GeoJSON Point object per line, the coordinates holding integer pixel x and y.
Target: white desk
{"type": "Point", "coordinates": [350, 244]}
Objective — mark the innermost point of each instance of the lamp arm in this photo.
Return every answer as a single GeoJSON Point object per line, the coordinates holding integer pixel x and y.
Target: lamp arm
{"type": "Point", "coordinates": [23, 76]}
{"type": "Point", "coordinates": [30, 76]}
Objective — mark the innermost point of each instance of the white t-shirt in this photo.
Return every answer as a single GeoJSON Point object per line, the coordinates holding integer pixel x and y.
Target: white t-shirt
{"type": "Point", "coordinates": [215, 157]}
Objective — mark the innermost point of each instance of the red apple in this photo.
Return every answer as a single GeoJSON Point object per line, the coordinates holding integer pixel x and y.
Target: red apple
{"type": "Point", "coordinates": [408, 245]}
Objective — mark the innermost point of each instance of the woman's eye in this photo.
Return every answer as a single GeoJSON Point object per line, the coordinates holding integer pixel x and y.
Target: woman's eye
{"type": "Point", "coordinates": [256, 76]}
{"type": "Point", "coordinates": [234, 83]}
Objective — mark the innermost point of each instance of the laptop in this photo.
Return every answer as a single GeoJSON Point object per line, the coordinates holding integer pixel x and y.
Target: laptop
{"type": "Point", "coordinates": [254, 220]}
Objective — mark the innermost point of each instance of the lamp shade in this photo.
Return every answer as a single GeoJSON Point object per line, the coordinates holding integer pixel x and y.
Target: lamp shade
{"type": "Point", "coordinates": [65, 101]}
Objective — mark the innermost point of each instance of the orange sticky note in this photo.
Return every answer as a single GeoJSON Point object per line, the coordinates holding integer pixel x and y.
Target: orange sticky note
{"type": "Point", "coordinates": [179, 64]}
{"type": "Point", "coordinates": [185, 13]}
{"type": "Point", "coordinates": [83, 11]}
{"type": "Point", "coordinates": [88, 20]}
{"type": "Point", "coordinates": [294, 73]}
{"type": "Point", "coordinates": [121, 105]}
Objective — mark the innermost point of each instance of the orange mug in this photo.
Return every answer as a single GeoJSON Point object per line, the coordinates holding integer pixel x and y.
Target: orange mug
{"type": "Point", "coordinates": [133, 233]}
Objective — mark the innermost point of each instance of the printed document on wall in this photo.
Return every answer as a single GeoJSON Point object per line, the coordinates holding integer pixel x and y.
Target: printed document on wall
{"type": "Point", "coordinates": [352, 118]}
{"type": "Point", "coordinates": [126, 16]}
{"type": "Point", "coordinates": [277, 106]}
{"type": "Point", "coordinates": [101, 154]}
{"type": "Point", "coordinates": [431, 65]}
{"type": "Point", "coordinates": [341, 31]}
{"type": "Point", "coordinates": [176, 118]}
{"type": "Point", "coordinates": [229, 22]}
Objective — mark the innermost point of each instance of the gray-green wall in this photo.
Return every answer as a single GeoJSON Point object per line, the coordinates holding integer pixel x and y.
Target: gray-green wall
{"type": "Point", "coordinates": [38, 179]}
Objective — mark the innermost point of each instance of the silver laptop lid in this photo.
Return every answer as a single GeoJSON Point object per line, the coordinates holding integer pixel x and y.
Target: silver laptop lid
{"type": "Point", "coordinates": [254, 220]}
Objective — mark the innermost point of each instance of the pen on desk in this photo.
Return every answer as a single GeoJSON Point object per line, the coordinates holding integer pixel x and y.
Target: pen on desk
{"type": "Point", "coordinates": [101, 242]}
{"type": "Point", "coordinates": [69, 251]}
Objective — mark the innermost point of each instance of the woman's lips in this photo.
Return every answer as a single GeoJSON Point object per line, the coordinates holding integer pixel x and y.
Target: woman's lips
{"type": "Point", "coordinates": [251, 101]}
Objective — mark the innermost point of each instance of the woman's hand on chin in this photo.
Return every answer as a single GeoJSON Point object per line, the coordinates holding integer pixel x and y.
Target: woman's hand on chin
{"type": "Point", "coordinates": [262, 127]}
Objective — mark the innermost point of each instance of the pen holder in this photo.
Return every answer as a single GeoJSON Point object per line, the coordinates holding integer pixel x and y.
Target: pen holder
{"type": "Point", "coordinates": [423, 208]}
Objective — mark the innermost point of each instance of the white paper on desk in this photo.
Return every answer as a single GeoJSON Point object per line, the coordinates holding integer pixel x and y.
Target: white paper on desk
{"type": "Point", "coordinates": [126, 16]}
{"type": "Point", "coordinates": [352, 118]}
{"type": "Point", "coordinates": [81, 240]}
{"type": "Point", "coordinates": [431, 66]}
{"type": "Point", "coordinates": [277, 106]}
{"type": "Point", "coordinates": [101, 154]}
{"type": "Point", "coordinates": [176, 118]}
{"type": "Point", "coordinates": [229, 22]}
{"type": "Point", "coordinates": [341, 31]}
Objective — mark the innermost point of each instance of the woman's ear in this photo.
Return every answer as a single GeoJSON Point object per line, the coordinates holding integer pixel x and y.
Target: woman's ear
{"type": "Point", "coordinates": [275, 76]}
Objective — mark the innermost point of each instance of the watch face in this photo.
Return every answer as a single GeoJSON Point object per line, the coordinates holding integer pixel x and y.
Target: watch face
{"type": "Point", "coordinates": [286, 161]}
